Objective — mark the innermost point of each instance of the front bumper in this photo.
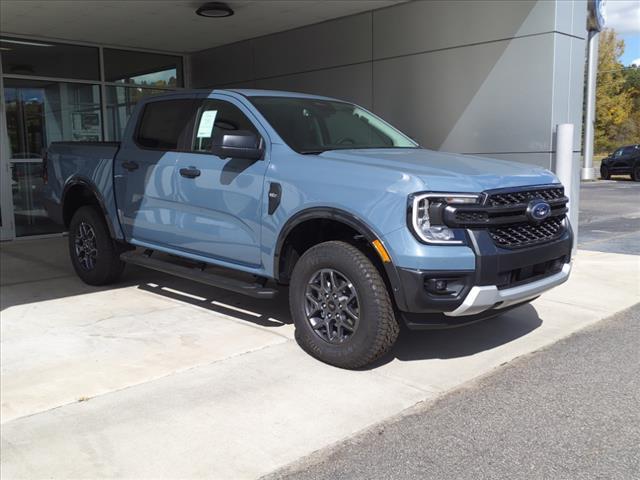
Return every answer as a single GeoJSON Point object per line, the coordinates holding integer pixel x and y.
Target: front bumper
{"type": "Point", "coordinates": [486, 297]}
{"type": "Point", "coordinates": [502, 279]}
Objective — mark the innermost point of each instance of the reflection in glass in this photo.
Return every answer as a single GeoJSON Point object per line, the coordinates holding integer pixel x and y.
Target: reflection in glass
{"type": "Point", "coordinates": [39, 113]}
{"type": "Point", "coordinates": [46, 59]}
{"type": "Point", "coordinates": [120, 103]}
{"type": "Point", "coordinates": [140, 68]}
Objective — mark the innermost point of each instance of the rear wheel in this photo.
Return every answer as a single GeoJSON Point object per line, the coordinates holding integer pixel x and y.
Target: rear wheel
{"type": "Point", "coordinates": [635, 173]}
{"type": "Point", "coordinates": [604, 172]}
{"type": "Point", "coordinates": [94, 254]}
{"type": "Point", "coordinates": [340, 305]}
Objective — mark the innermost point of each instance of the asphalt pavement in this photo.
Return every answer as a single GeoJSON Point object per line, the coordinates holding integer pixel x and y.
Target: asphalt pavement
{"type": "Point", "coordinates": [610, 217]}
{"type": "Point", "coordinates": [570, 411]}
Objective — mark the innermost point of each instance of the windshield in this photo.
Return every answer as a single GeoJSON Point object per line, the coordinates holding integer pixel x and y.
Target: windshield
{"type": "Point", "coordinates": [314, 126]}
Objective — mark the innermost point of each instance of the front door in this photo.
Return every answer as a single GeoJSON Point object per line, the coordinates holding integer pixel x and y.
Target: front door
{"type": "Point", "coordinates": [219, 209]}
{"type": "Point", "coordinates": [145, 172]}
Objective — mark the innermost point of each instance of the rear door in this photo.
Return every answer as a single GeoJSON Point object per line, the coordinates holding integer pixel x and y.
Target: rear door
{"type": "Point", "coordinates": [630, 153]}
{"type": "Point", "coordinates": [219, 210]}
{"type": "Point", "coordinates": [145, 170]}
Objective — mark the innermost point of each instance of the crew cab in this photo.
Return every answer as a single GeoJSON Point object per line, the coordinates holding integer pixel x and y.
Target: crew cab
{"type": "Point", "coordinates": [624, 161]}
{"type": "Point", "coordinates": [252, 191]}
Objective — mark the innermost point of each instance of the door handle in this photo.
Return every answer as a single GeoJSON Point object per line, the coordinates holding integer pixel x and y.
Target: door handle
{"type": "Point", "coordinates": [190, 172]}
{"type": "Point", "coordinates": [131, 166]}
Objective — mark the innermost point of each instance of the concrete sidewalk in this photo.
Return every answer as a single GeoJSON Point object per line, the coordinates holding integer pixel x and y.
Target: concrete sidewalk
{"type": "Point", "coordinates": [160, 377]}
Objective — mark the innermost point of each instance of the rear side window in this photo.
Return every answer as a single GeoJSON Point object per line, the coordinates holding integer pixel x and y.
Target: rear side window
{"type": "Point", "coordinates": [164, 124]}
{"type": "Point", "coordinates": [215, 118]}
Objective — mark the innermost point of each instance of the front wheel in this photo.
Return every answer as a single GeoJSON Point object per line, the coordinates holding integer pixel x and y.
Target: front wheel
{"type": "Point", "coordinates": [94, 254]}
{"type": "Point", "coordinates": [340, 306]}
{"type": "Point", "coordinates": [604, 172]}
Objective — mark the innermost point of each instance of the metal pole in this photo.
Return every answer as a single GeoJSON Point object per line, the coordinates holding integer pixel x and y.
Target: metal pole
{"type": "Point", "coordinates": [588, 172]}
{"type": "Point", "coordinates": [567, 172]}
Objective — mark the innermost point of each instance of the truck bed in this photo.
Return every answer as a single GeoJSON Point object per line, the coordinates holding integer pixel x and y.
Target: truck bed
{"type": "Point", "coordinates": [70, 163]}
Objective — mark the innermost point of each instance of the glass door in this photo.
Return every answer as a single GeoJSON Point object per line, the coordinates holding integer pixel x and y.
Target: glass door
{"type": "Point", "coordinates": [6, 204]}
{"type": "Point", "coordinates": [38, 113]}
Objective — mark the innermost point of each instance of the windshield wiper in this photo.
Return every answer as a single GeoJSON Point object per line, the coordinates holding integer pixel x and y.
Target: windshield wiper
{"type": "Point", "coordinates": [312, 152]}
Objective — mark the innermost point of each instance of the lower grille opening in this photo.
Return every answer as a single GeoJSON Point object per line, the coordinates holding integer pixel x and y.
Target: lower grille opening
{"type": "Point", "coordinates": [527, 234]}
{"type": "Point", "coordinates": [530, 273]}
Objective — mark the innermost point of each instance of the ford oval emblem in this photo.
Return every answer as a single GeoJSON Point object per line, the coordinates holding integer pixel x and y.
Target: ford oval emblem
{"type": "Point", "coordinates": [538, 210]}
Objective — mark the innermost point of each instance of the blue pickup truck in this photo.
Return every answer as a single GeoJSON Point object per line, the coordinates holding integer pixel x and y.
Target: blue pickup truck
{"type": "Point", "coordinates": [252, 191]}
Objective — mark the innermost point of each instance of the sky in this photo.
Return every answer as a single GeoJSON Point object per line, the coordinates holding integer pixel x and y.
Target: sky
{"type": "Point", "coordinates": [624, 17]}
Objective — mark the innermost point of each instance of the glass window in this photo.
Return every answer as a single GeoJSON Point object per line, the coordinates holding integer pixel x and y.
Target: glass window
{"type": "Point", "coordinates": [312, 126]}
{"type": "Point", "coordinates": [39, 113]}
{"type": "Point", "coordinates": [120, 102]}
{"type": "Point", "coordinates": [46, 59]}
{"type": "Point", "coordinates": [215, 118]}
{"type": "Point", "coordinates": [140, 68]}
{"type": "Point", "coordinates": [164, 123]}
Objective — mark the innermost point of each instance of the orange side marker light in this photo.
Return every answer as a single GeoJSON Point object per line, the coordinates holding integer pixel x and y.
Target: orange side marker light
{"type": "Point", "coordinates": [377, 244]}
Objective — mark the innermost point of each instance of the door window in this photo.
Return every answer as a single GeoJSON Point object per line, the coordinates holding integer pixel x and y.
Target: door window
{"type": "Point", "coordinates": [215, 118]}
{"type": "Point", "coordinates": [164, 124]}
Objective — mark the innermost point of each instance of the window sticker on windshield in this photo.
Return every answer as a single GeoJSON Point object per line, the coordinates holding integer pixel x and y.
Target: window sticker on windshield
{"type": "Point", "coordinates": [208, 119]}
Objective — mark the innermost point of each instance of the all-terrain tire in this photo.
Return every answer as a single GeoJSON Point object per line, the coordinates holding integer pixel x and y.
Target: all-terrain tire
{"type": "Point", "coordinates": [377, 328]}
{"type": "Point", "coordinates": [94, 254]}
{"type": "Point", "coordinates": [604, 173]}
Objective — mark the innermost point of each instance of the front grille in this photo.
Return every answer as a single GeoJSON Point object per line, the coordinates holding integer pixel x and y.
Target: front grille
{"type": "Point", "coordinates": [504, 213]}
{"type": "Point", "coordinates": [526, 234]}
{"type": "Point", "coordinates": [524, 196]}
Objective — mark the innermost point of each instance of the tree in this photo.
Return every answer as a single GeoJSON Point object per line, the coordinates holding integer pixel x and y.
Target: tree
{"type": "Point", "coordinates": [613, 98]}
{"type": "Point", "coordinates": [628, 132]}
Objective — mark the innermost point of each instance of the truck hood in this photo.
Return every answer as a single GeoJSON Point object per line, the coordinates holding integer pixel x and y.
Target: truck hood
{"type": "Point", "coordinates": [440, 171]}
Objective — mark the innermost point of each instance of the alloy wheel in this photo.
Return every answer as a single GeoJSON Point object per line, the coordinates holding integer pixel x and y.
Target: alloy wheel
{"type": "Point", "coordinates": [85, 246]}
{"type": "Point", "coordinates": [332, 307]}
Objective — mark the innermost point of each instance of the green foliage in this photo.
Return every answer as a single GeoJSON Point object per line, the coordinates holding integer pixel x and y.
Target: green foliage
{"type": "Point", "coordinates": [617, 97]}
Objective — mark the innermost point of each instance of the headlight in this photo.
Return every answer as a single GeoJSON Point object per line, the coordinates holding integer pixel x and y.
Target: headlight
{"type": "Point", "coordinates": [425, 213]}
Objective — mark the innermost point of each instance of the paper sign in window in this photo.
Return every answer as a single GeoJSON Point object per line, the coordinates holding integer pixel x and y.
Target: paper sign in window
{"type": "Point", "coordinates": [207, 121]}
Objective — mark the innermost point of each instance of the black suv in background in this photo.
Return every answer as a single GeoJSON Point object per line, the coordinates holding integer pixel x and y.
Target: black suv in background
{"type": "Point", "coordinates": [624, 161]}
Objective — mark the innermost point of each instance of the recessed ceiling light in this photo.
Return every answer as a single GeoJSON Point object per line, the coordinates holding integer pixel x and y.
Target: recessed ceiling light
{"type": "Point", "coordinates": [215, 10]}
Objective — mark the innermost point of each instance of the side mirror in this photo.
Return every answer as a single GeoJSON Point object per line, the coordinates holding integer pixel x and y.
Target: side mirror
{"type": "Point", "coordinates": [238, 144]}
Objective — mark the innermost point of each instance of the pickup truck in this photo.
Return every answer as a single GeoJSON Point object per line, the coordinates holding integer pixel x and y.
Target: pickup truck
{"type": "Point", "coordinates": [252, 191]}
{"type": "Point", "coordinates": [624, 161]}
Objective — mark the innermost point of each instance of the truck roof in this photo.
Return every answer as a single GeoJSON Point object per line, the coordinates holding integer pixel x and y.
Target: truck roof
{"type": "Point", "coordinates": [245, 92]}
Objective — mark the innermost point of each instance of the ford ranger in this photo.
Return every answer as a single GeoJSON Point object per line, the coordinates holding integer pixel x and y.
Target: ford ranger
{"type": "Point", "coordinates": [246, 190]}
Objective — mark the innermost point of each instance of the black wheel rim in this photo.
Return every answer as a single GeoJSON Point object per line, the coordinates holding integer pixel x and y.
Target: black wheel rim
{"type": "Point", "coordinates": [85, 246]}
{"type": "Point", "coordinates": [332, 306]}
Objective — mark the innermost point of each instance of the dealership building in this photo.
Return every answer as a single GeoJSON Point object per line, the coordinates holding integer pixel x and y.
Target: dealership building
{"type": "Point", "coordinates": [489, 78]}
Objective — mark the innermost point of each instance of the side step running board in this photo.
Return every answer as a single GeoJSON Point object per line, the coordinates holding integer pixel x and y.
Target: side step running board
{"type": "Point", "coordinates": [255, 290]}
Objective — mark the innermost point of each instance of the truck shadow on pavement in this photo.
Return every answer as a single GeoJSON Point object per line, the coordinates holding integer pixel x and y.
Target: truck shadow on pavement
{"type": "Point", "coordinates": [465, 340]}
{"type": "Point", "coordinates": [411, 345]}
